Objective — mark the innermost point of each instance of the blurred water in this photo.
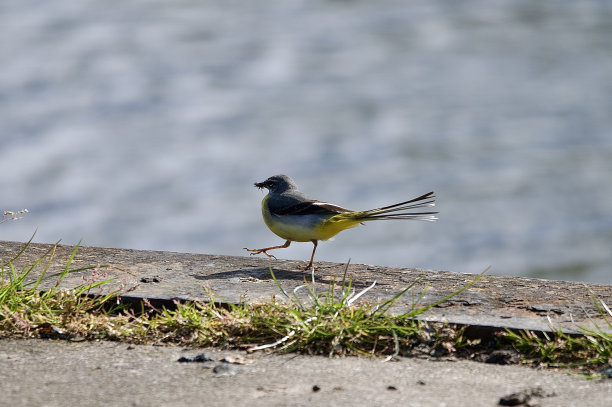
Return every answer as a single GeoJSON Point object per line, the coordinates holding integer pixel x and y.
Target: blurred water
{"type": "Point", "coordinates": [143, 124]}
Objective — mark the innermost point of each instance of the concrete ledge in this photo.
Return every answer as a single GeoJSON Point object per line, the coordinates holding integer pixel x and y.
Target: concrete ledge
{"type": "Point", "coordinates": [494, 302]}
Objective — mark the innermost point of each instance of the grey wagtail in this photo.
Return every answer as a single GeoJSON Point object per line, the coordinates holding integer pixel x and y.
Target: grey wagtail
{"type": "Point", "coordinates": [298, 218]}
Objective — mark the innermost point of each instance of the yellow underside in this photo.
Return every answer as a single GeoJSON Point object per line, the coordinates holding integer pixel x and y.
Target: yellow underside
{"type": "Point", "coordinates": [336, 224]}
{"type": "Point", "coordinates": [304, 228]}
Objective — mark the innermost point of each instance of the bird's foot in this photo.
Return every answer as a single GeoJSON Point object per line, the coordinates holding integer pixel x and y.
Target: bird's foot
{"type": "Point", "coordinates": [259, 251]}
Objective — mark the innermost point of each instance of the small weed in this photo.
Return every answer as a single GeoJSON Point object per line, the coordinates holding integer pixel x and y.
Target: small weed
{"type": "Point", "coordinates": [28, 311]}
{"type": "Point", "coordinates": [10, 215]}
{"type": "Point", "coordinates": [584, 353]}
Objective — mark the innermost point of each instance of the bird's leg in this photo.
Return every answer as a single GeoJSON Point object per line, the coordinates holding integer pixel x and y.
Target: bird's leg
{"type": "Point", "coordinates": [265, 251]}
{"type": "Point", "coordinates": [311, 257]}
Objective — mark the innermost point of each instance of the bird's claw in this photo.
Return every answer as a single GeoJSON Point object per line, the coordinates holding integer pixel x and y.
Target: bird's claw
{"type": "Point", "coordinates": [259, 251]}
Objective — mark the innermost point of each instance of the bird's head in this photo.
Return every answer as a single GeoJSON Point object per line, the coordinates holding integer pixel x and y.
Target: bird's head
{"type": "Point", "coordinates": [277, 183]}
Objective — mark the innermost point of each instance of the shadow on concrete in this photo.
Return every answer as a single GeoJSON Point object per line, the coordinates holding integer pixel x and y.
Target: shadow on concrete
{"type": "Point", "coordinates": [263, 274]}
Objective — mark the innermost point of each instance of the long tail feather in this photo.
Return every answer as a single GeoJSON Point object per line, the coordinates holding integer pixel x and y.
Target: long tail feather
{"type": "Point", "coordinates": [390, 212]}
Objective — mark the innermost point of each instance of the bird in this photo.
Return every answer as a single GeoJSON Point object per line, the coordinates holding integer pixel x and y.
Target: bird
{"type": "Point", "coordinates": [296, 217]}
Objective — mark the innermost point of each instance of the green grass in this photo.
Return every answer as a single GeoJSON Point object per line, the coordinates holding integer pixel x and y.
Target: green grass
{"type": "Point", "coordinates": [336, 321]}
{"type": "Point", "coordinates": [29, 311]}
{"type": "Point", "coordinates": [325, 323]}
{"type": "Point", "coordinates": [585, 353]}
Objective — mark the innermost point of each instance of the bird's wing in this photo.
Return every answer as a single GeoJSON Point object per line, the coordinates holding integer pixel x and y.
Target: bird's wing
{"type": "Point", "coordinates": [307, 208]}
